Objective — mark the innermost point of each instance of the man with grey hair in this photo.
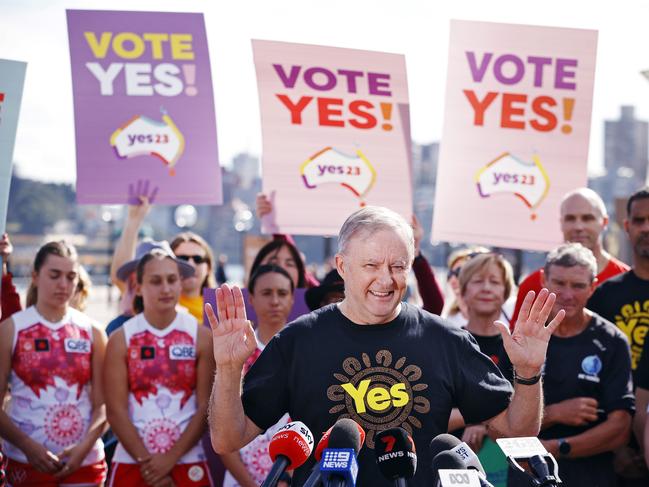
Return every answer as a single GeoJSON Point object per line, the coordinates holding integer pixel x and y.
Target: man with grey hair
{"type": "Point", "coordinates": [583, 219]}
{"type": "Point", "coordinates": [586, 378]}
{"type": "Point", "coordinates": [374, 359]}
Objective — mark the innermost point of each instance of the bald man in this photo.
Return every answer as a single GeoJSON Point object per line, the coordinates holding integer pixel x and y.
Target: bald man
{"type": "Point", "coordinates": [583, 220]}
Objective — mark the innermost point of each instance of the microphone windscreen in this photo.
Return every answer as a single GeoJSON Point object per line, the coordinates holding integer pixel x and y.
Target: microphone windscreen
{"type": "Point", "coordinates": [445, 460]}
{"type": "Point", "coordinates": [395, 453]}
{"type": "Point", "coordinates": [293, 441]}
{"type": "Point", "coordinates": [346, 433]}
{"type": "Point", "coordinates": [442, 443]}
{"type": "Point", "coordinates": [322, 444]}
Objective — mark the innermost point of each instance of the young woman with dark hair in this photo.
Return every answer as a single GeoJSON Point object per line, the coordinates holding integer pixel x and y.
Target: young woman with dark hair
{"type": "Point", "coordinates": [160, 376]}
{"type": "Point", "coordinates": [271, 295]}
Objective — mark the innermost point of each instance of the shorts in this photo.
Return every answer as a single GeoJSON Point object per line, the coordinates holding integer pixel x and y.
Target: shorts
{"type": "Point", "coordinates": [184, 475]}
{"type": "Point", "coordinates": [24, 475]}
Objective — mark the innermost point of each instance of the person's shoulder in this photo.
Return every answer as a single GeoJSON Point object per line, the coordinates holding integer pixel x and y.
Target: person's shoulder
{"type": "Point", "coordinates": [532, 281]}
{"type": "Point", "coordinates": [431, 323]}
{"type": "Point", "coordinates": [618, 265]}
{"type": "Point", "coordinates": [614, 281]}
{"type": "Point", "coordinates": [315, 319]}
{"type": "Point", "coordinates": [607, 330]}
{"type": "Point", "coordinates": [81, 319]}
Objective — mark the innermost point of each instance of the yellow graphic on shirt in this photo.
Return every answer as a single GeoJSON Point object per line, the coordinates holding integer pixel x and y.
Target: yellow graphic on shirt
{"type": "Point", "coordinates": [379, 394]}
{"type": "Point", "coordinates": [633, 320]}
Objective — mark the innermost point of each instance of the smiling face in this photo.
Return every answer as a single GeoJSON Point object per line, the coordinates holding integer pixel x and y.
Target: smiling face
{"type": "Point", "coordinates": [375, 271]}
{"type": "Point", "coordinates": [160, 286]}
{"type": "Point", "coordinates": [484, 293]}
{"type": "Point", "coordinates": [582, 221]}
{"type": "Point", "coordinates": [56, 281]}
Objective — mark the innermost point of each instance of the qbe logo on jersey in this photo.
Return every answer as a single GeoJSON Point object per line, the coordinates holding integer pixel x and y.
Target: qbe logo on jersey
{"type": "Point", "coordinates": [77, 345]}
{"type": "Point", "coordinates": [182, 352]}
{"type": "Point", "coordinates": [459, 478]}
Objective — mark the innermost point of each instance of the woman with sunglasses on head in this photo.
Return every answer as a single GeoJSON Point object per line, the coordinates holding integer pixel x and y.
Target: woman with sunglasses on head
{"type": "Point", "coordinates": [195, 251]}
{"type": "Point", "coordinates": [485, 283]}
{"type": "Point", "coordinates": [51, 358]}
{"type": "Point", "coordinates": [270, 290]}
{"type": "Point", "coordinates": [160, 375]}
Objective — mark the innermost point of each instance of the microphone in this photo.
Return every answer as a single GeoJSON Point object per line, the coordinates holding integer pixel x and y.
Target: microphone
{"type": "Point", "coordinates": [532, 450]}
{"type": "Point", "coordinates": [338, 466]}
{"type": "Point", "coordinates": [446, 442]}
{"type": "Point", "coordinates": [449, 470]}
{"type": "Point", "coordinates": [395, 455]}
{"type": "Point", "coordinates": [289, 448]}
{"type": "Point", "coordinates": [315, 477]}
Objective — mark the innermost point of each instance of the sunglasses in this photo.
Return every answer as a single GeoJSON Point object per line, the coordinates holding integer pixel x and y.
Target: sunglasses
{"type": "Point", "coordinates": [198, 259]}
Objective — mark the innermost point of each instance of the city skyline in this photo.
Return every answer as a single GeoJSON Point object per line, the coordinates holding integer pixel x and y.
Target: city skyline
{"type": "Point", "coordinates": [45, 141]}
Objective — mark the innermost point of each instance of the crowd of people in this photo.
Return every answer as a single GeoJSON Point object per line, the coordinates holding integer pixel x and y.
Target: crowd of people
{"type": "Point", "coordinates": [561, 356]}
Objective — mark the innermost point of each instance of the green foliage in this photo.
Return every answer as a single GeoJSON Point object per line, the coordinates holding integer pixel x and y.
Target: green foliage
{"type": "Point", "coordinates": [34, 205]}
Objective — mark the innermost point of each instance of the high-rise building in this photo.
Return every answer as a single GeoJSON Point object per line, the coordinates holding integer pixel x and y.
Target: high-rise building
{"type": "Point", "coordinates": [626, 145]}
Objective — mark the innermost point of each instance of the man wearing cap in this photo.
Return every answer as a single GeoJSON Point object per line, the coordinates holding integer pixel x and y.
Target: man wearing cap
{"type": "Point", "coordinates": [373, 358]}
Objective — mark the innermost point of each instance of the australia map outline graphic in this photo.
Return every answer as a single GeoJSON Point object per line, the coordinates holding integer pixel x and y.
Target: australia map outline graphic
{"type": "Point", "coordinates": [332, 166]}
{"type": "Point", "coordinates": [143, 136]}
{"type": "Point", "coordinates": [509, 174]}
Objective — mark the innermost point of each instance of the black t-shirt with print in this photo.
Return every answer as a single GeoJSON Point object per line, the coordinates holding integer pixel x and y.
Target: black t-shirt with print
{"type": "Point", "coordinates": [408, 373]}
{"type": "Point", "coordinates": [624, 301]}
{"type": "Point", "coordinates": [492, 347]}
{"type": "Point", "coordinates": [595, 363]}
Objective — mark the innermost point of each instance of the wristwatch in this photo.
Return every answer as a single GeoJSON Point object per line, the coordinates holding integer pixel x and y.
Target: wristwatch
{"type": "Point", "coordinates": [564, 447]}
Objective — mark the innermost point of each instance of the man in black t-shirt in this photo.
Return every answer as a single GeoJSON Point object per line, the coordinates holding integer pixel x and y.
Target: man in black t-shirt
{"type": "Point", "coordinates": [624, 300]}
{"type": "Point", "coordinates": [373, 358]}
{"type": "Point", "coordinates": [586, 378]}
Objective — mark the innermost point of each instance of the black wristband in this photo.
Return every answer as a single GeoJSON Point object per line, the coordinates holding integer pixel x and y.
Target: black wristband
{"type": "Point", "coordinates": [527, 381]}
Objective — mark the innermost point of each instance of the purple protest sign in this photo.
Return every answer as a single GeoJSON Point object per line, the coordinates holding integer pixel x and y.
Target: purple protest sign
{"type": "Point", "coordinates": [143, 107]}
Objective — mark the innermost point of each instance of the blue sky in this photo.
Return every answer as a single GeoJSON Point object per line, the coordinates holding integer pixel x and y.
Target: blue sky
{"type": "Point", "coordinates": [35, 31]}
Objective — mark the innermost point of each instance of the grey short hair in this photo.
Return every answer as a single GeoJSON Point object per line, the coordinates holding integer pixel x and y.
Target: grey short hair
{"type": "Point", "coordinates": [571, 255]}
{"type": "Point", "coordinates": [370, 219]}
{"type": "Point", "coordinates": [591, 196]}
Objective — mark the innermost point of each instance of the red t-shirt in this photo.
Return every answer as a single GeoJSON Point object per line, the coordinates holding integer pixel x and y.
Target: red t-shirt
{"type": "Point", "coordinates": [533, 282]}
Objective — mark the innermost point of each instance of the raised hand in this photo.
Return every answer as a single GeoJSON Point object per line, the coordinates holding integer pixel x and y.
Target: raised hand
{"type": "Point", "coordinates": [234, 338]}
{"type": "Point", "coordinates": [140, 192]}
{"type": "Point", "coordinates": [263, 205]}
{"type": "Point", "coordinates": [418, 233]}
{"type": "Point", "coordinates": [528, 343]}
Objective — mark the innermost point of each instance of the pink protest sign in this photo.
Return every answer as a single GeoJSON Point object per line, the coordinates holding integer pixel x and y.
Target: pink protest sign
{"type": "Point", "coordinates": [516, 129]}
{"type": "Point", "coordinates": [143, 107]}
{"type": "Point", "coordinates": [335, 134]}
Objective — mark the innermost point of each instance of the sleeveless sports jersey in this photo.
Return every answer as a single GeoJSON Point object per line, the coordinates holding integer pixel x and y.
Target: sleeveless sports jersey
{"type": "Point", "coordinates": [50, 379]}
{"type": "Point", "coordinates": [162, 384]}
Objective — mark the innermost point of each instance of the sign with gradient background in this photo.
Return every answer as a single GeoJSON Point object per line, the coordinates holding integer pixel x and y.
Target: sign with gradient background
{"type": "Point", "coordinates": [12, 80]}
{"type": "Point", "coordinates": [336, 134]}
{"type": "Point", "coordinates": [516, 132]}
{"type": "Point", "coordinates": [143, 107]}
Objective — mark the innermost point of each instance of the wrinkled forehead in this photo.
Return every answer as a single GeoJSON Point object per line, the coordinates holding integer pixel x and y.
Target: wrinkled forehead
{"type": "Point", "coordinates": [380, 242]}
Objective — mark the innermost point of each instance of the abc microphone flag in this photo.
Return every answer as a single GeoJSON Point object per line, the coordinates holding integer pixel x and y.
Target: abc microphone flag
{"type": "Point", "coordinates": [289, 448]}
